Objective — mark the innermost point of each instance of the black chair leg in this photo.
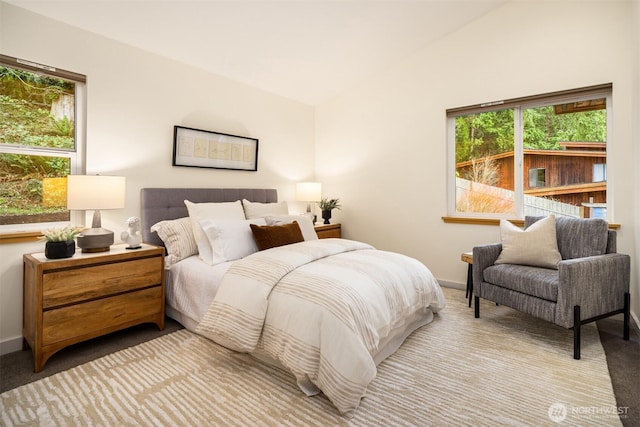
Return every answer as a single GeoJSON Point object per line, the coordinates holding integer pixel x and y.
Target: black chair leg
{"type": "Point", "coordinates": [576, 332]}
{"type": "Point", "coordinates": [469, 283]}
{"type": "Point", "coordinates": [627, 309]}
{"type": "Point", "coordinates": [476, 306]}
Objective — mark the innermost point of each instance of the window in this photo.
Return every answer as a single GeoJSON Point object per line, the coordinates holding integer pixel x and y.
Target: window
{"type": "Point", "coordinates": [41, 128]}
{"type": "Point", "coordinates": [599, 172]}
{"type": "Point", "coordinates": [538, 155]}
{"type": "Point", "coordinates": [536, 177]}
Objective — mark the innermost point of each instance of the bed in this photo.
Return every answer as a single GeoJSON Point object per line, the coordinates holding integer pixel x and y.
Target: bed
{"type": "Point", "coordinates": [327, 310]}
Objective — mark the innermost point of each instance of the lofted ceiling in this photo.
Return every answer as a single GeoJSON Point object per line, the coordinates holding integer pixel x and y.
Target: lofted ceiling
{"type": "Point", "coordinates": [306, 50]}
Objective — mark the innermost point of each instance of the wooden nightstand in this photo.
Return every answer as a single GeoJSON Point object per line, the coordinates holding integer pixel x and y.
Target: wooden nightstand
{"type": "Point", "coordinates": [70, 300]}
{"type": "Point", "coordinates": [325, 231]}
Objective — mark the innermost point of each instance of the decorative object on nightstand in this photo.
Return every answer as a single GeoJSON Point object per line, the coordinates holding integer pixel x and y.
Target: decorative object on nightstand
{"type": "Point", "coordinates": [309, 192]}
{"type": "Point", "coordinates": [67, 301]}
{"type": "Point", "coordinates": [60, 243]}
{"type": "Point", "coordinates": [326, 206]}
{"type": "Point", "coordinates": [132, 236]}
{"type": "Point", "coordinates": [87, 192]}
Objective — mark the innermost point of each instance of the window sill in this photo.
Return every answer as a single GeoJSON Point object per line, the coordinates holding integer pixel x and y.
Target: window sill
{"type": "Point", "coordinates": [494, 221]}
{"type": "Point", "coordinates": [20, 237]}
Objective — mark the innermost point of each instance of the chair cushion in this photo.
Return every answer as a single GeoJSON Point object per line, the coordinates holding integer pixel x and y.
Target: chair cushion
{"type": "Point", "coordinates": [535, 281]}
{"type": "Point", "coordinates": [536, 246]}
{"type": "Point", "coordinates": [578, 237]}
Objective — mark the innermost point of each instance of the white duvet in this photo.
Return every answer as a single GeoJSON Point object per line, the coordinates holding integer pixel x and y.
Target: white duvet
{"type": "Point", "coordinates": [322, 309]}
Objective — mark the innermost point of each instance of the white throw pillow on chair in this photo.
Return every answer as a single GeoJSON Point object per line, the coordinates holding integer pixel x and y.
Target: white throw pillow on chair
{"type": "Point", "coordinates": [536, 246]}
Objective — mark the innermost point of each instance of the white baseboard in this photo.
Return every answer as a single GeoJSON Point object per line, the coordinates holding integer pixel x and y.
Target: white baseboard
{"type": "Point", "coordinates": [453, 285]}
{"type": "Point", "coordinates": [10, 345]}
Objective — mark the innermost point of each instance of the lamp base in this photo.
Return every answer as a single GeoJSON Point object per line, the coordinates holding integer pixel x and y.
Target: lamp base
{"type": "Point", "coordinates": [95, 240]}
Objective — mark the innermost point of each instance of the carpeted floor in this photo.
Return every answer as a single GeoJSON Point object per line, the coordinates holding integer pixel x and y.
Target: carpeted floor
{"type": "Point", "coordinates": [503, 369]}
{"type": "Point", "coordinates": [16, 368]}
{"type": "Point", "coordinates": [623, 361]}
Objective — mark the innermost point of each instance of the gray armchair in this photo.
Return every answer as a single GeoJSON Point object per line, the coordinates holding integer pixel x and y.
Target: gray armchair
{"type": "Point", "coordinates": [583, 289]}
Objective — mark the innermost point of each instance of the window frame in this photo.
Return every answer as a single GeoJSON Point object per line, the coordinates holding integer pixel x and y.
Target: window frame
{"type": "Point", "coordinates": [12, 232]}
{"type": "Point", "coordinates": [519, 105]}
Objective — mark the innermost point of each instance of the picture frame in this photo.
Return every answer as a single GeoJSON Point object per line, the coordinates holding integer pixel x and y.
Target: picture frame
{"type": "Point", "coordinates": [208, 149]}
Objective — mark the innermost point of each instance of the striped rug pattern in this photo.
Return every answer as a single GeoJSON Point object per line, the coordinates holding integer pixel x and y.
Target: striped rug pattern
{"type": "Point", "coordinates": [505, 368]}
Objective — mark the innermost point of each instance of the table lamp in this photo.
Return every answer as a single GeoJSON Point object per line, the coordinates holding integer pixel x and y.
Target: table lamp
{"type": "Point", "coordinates": [309, 192]}
{"type": "Point", "coordinates": [95, 192]}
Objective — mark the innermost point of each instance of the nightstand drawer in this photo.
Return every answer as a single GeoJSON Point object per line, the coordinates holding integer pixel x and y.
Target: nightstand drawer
{"type": "Point", "coordinates": [107, 313]}
{"type": "Point", "coordinates": [335, 232]}
{"type": "Point", "coordinates": [69, 286]}
{"type": "Point", "coordinates": [327, 231]}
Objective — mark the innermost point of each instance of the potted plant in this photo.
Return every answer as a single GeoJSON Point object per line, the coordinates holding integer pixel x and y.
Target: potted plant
{"type": "Point", "coordinates": [326, 206]}
{"type": "Point", "coordinates": [60, 243]}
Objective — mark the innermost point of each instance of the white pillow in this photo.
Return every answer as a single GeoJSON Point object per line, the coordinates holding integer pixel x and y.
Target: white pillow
{"type": "Point", "coordinates": [177, 236]}
{"type": "Point", "coordinates": [304, 221]}
{"type": "Point", "coordinates": [230, 240]}
{"type": "Point", "coordinates": [536, 246]}
{"type": "Point", "coordinates": [223, 211]}
{"type": "Point", "coordinates": [260, 210]}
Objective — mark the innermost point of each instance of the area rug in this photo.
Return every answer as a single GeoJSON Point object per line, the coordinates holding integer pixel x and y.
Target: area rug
{"type": "Point", "coordinates": [505, 368]}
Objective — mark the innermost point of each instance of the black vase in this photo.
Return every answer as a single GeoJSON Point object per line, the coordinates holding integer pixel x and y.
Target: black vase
{"type": "Point", "coordinates": [326, 215]}
{"type": "Point", "coordinates": [57, 250]}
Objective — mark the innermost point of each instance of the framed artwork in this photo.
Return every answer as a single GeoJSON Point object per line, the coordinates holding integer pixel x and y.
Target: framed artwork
{"type": "Point", "coordinates": [205, 149]}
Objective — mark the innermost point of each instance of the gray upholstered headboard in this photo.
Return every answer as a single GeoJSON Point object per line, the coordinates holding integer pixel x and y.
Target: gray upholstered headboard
{"type": "Point", "coordinates": [160, 204]}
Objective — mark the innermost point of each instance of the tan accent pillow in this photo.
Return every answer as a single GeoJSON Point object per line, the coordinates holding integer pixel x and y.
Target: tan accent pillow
{"type": "Point", "coordinates": [177, 236]}
{"type": "Point", "coordinates": [254, 210]}
{"type": "Point", "coordinates": [270, 236]}
{"type": "Point", "coordinates": [536, 246]}
{"type": "Point", "coordinates": [304, 222]}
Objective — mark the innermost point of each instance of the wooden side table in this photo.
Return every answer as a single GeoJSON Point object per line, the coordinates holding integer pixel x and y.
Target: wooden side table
{"type": "Point", "coordinates": [325, 231]}
{"type": "Point", "coordinates": [70, 300]}
{"type": "Point", "coordinates": [468, 258]}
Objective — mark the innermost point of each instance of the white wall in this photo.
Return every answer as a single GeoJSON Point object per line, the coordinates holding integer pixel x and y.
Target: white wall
{"type": "Point", "coordinates": [381, 147]}
{"type": "Point", "coordinates": [134, 100]}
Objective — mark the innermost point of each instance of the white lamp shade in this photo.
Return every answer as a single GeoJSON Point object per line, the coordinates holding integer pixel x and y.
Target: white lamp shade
{"type": "Point", "coordinates": [308, 191]}
{"type": "Point", "coordinates": [95, 192]}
